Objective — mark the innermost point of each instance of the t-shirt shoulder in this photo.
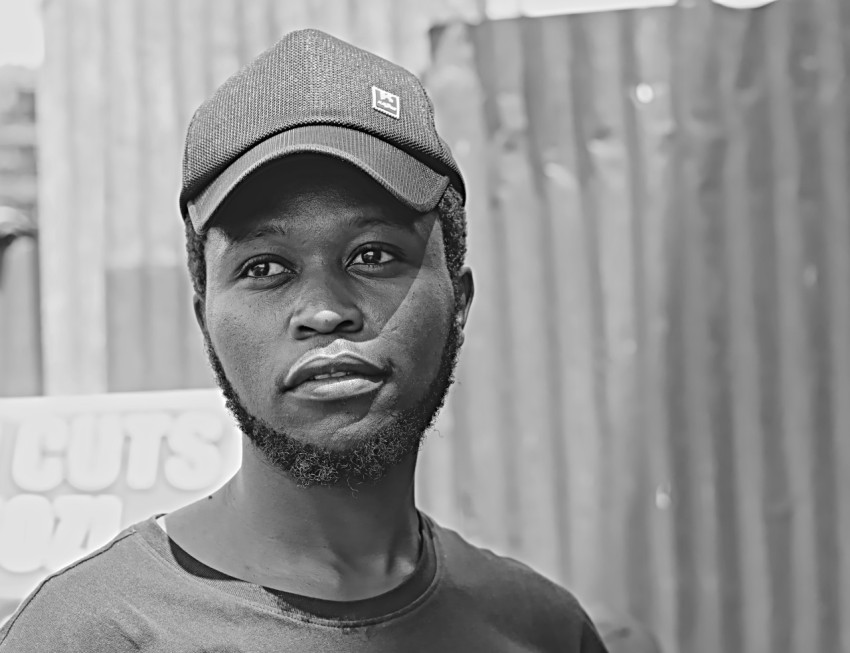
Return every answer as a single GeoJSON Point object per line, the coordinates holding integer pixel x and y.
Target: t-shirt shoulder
{"type": "Point", "coordinates": [66, 610]}
{"type": "Point", "coordinates": [485, 569]}
{"type": "Point", "coordinates": [518, 594]}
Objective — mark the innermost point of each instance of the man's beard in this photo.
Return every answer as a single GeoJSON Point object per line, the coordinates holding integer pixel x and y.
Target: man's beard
{"type": "Point", "coordinates": [366, 460]}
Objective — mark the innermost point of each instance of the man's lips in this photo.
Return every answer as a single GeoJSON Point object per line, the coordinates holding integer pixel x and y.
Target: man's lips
{"type": "Point", "coordinates": [329, 375]}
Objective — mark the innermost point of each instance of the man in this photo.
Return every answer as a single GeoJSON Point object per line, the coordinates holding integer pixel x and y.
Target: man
{"type": "Point", "coordinates": [326, 237]}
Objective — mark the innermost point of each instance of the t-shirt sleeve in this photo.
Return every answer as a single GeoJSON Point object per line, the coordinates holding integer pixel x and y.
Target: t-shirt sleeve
{"type": "Point", "coordinates": [55, 618]}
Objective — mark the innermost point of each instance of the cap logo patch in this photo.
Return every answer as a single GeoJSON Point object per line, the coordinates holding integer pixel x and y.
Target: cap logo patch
{"type": "Point", "coordinates": [386, 102]}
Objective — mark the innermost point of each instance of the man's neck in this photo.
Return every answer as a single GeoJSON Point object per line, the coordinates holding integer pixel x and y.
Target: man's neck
{"type": "Point", "coordinates": [342, 543]}
{"type": "Point", "coordinates": [346, 523]}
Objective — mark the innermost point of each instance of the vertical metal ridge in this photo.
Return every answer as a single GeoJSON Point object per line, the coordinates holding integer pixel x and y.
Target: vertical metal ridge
{"type": "Point", "coordinates": [192, 82]}
{"type": "Point", "coordinates": [652, 94]}
{"type": "Point", "coordinates": [796, 167]}
{"type": "Point", "coordinates": [222, 51]}
{"type": "Point", "coordinates": [163, 260]}
{"type": "Point", "coordinates": [73, 322]}
{"type": "Point", "coordinates": [613, 231]}
{"type": "Point", "coordinates": [715, 155]}
{"type": "Point", "coordinates": [699, 297]}
{"type": "Point", "coordinates": [772, 363]}
{"type": "Point", "coordinates": [685, 472]}
{"type": "Point", "coordinates": [241, 26]}
{"type": "Point", "coordinates": [580, 90]}
{"type": "Point", "coordinates": [125, 245]}
{"type": "Point", "coordinates": [270, 20]}
{"type": "Point", "coordinates": [53, 147]}
{"type": "Point", "coordinates": [833, 19]}
{"type": "Point", "coordinates": [86, 319]}
{"type": "Point", "coordinates": [639, 561]}
{"type": "Point", "coordinates": [750, 596]}
{"type": "Point", "coordinates": [711, 434]}
{"type": "Point", "coordinates": [571, 432]}
{"type": "Point", "coordinates": [715, 298]}
{"type": "Point", "coordinates": [485, 58]}
{"type": "Point", "coordinates": [141, 332]}
{"type": "Point", "coordinates": [528, 356]}
{"type": "Point", "coordinates": [188, 347]}
{"type": "Point", "coordinates": [823, 476]}
{"type": "Point", "coordinates": [542, 42]}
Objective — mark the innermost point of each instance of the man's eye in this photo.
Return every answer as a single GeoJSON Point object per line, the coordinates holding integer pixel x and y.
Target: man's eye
{"type": "Point", "coordinates": [265, 269]}
{"type": "Point", "coordinates": [373, 256]}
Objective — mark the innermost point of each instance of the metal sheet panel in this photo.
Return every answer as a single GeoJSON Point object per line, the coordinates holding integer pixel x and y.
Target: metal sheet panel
{"type": "Point", "coordinates": [660, 228]}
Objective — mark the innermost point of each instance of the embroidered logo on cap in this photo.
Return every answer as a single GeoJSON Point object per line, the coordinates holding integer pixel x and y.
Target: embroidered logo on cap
{"type": "Point", "coordinates": [386, 102]}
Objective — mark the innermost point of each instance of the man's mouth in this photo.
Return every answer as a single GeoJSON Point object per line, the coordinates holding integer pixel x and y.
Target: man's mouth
{"type": "Point", "coordinates": [337, 386]}
{"type": "Point", "coordinates": [333, 377]}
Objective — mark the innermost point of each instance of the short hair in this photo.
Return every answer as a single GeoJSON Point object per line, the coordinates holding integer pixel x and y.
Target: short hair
{"type": "Point", "coordinates": [450, 210]}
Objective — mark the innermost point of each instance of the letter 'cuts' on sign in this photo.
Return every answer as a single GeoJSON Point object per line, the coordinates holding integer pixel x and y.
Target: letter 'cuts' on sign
{"type": "Point", "coordinates": [76, 471]}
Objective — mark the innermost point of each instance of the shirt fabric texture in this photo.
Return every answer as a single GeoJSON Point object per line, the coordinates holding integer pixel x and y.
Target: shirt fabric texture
{"type": "Point", "coordinates": [142, 592]}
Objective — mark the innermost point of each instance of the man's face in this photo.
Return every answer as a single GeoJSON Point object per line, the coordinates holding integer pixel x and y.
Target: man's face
{"type": "Point", "coordinates": [331, 319]}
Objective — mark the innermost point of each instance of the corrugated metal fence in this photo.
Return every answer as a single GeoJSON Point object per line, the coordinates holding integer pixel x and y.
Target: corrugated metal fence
{"type": "Point", "coordinates": [652, 403]}
{"type": "Point", "coordinates": [661, 233]}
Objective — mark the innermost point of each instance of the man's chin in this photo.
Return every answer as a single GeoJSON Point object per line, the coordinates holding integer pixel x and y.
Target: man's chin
{"type": "Point", "coordinates": [349, 457]}
{"type": "Point", "coordinates": [344, 439]}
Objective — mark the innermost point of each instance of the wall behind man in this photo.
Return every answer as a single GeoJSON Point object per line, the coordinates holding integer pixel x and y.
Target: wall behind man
{"type": "Point", "coordinates": [654, 392]}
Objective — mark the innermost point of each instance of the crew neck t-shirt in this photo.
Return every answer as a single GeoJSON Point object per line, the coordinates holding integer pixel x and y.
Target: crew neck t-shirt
{"type": "Point", "coordinates": [142, 592]}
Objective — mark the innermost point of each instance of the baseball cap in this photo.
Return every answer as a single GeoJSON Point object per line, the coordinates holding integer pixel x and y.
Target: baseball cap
{"type": "Point", "coordinates": [314, 93]}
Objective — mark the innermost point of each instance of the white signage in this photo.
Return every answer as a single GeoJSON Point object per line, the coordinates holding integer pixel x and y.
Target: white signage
{"type": "Point", "coordinates": [74, 471]}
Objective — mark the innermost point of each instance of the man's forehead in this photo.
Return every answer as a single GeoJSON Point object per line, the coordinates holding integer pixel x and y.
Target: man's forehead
{"type": "Point", "coordinates": [272, 225]}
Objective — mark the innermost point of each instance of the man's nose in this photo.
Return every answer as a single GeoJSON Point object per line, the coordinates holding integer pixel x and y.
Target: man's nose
{"type": "Point", "coordinates": [323, 307]}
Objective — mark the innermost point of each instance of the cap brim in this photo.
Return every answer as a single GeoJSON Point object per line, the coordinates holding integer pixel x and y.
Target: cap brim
{"type": "Point", "coordinates": [406, 178]}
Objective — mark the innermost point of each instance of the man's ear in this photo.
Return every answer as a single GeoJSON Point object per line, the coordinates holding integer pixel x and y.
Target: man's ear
{"type": "Point", "coordinates": [200, 313]}
{"type": "Point", "coordinates": [467, 291]}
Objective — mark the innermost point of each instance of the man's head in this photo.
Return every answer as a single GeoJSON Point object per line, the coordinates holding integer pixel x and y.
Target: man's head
{"type": "Point", "coordinates": [326, 248]}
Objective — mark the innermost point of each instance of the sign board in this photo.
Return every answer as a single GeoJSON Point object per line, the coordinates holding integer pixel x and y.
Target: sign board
{"type": "Point", "coordinates": [74, 471]}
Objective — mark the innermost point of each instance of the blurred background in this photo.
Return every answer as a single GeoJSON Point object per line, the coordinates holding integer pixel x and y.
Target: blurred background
{"type": "Point", "coordinates": [656, 378]}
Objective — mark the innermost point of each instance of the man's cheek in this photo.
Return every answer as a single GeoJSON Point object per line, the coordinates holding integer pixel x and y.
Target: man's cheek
{"type": "Point", "coordinates": [382, 311]}
{"type": "Point", "coordinates": [423, 302]}
{"type": "Point", "coordinates": [245, 354]}
{"type": "Point", "coordinates": [419, 336]}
